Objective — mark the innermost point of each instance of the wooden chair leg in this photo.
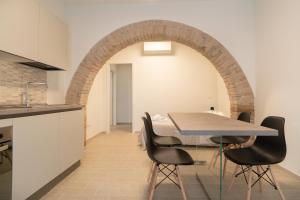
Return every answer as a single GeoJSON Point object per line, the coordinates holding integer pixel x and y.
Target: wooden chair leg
{"type": "Point", "coordinates": [249, 184]}
{"type": "Point", "coordinates": [150, 172]}
{"type": "Point", "coordinates": [216, 158]}
{"type": "Point", "coordinates": [176, 175]}
{"type": "Point", "coordinates": [153, 182]}
{"type": "Point", "coordinates": [212, 159]}
{"type": "Point", "coordinates": [277, 185]}
{"type": "Point", "coordinates": [260, 182]}
{"type": "Point", "coordinates": [180, 183]}
{"type": "Point", "coordinates": [233, 177]}
{"type": "Point", "coordinates": [224, 167]}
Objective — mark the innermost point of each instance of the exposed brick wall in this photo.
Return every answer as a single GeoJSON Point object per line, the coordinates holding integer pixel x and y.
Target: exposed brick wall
{"type": "Point", "coordinates": [239, 90]}
{"type": "Point", "coordinates": [13, 78]}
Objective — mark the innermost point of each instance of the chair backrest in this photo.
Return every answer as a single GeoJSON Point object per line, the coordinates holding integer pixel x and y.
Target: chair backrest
{"type": "Point", "coordinates": [150, 146]}
{"type": "Point", "coordinates": [274, 145]}
{"type": "Point", "coordinates": [150, 123]}
{"type": "Point", "coordinates": [244, 116]}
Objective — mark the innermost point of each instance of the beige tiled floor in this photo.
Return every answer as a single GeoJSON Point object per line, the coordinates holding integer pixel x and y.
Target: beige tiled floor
{"type": "Point", "coordinates": [114, 167]}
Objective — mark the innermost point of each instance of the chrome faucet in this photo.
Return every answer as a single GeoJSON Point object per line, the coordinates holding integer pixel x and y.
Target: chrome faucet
{"type": "Point", "coordinates": [25, 94]}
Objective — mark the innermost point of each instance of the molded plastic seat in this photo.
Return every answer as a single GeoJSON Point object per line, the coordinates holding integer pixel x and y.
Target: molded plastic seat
{"type": "Point", "coordinates": [226, 140]}
{"type": "Point", "coordinates": [166, 141]}
{"type": "Point", "coordinates": [266, 150]}
{"type": "Point", "coordinates": [172, 156]}
{"type": "Point", "coordinates": [251, 156]}
{"type": "Point", "coordinates": [230, 139]}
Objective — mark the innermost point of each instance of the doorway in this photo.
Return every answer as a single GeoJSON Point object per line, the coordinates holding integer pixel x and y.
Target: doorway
{"type": "Point", "coordinates": [121, 96]}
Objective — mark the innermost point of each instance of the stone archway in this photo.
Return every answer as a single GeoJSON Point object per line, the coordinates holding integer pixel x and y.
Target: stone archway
{"type": "Point", "coordinates": [239, 91]}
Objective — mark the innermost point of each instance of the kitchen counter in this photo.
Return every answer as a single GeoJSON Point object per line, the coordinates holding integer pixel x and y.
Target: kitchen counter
{"type": "Point", "coordinates": [7, 112]}
{"type": "Point", "coordinates": [50, 137]}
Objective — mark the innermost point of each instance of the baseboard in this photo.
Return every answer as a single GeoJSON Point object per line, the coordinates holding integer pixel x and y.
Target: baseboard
{"type": "Point", "coordinates": [96, 135]}
{"type": "Point", "coordinates": [44, 190]}
{"type": "Point", "coordinates": [288, 171]}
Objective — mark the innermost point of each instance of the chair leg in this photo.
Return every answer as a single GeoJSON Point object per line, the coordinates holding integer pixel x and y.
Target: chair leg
{"type": "Point", "coordinates": [249, 184]}
{"type": "Point", "coordinates": [277, 185]}
{"type": "Point", "coordinates": [180, 183]}
{"type": "Point", "coordinates": [150, 172]}
{"type": "Point", "coordinates": [216, 158]}
{"type": "Point", "coordinates": [260, 182]}
{"type": "Point", "coordinates": [225, 166]}
{"type": "Point", "coordinates": [153, 182]}
{"type": "Point", "coordinates": [212, 159]}
{"type": "Point", "coordinates": [176, 175]}
{"type": "Point", "coordinates": [233, 177]}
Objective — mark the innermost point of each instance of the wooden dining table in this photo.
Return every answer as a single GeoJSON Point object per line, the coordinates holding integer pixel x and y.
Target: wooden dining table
{"type": "Point", "coordinates": [203, 124]}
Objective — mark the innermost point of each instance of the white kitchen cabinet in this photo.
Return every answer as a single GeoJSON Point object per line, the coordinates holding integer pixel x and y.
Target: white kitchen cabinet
{"type": "Point", "coordinates": [30, 30]}
{"type": "Point", "coordinates": [44, 146]}
{"type": "Point", "coordinates": [19, 27]}
{"type": "Point", "coordinates": [71, 138]}
{"type": "Point", "coordinates": [53, 40]}
{"type": "Point", "coordinates": [35, 153]}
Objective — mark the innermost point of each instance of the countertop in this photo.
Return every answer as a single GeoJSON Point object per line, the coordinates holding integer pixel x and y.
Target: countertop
{"type": "Point", "coordinates": [16, 111]}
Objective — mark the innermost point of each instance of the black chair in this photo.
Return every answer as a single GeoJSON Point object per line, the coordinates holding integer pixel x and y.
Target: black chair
{"type": "Point", "coordinates": [230, 140]}
{"type": "Point", "coordinates": [162, 141]}
{"type": "Point", "coordinates": [243, 116]}
{"type": "Point", "coordinates": [163, 158]}
{"type": "Point", "coordinates": [166, 141]}
{"type": "Point", "coordinates": [266, 151]}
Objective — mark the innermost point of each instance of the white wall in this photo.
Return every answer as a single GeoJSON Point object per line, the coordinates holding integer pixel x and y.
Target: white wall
{"type": "Point", "coordinates": [184, 82]}
{"type": "Point", "coordinates": [97, 106]}
{"type": "Point", "coordinates": [57, 7]}
{"type": "Point", "coordinates": [123, 93]}
{"type": "Point", "coordinates": [231, 22]}
{"type": "Point", "coordinates": [278, 47]}
{"type": "Point", "coordinates": [223, 101]}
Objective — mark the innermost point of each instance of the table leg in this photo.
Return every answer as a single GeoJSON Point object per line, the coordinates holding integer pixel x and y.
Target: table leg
{"type": "Point", "coordinates": [200, 163]}
{"type": "Point", "coordinates": [221, 167]}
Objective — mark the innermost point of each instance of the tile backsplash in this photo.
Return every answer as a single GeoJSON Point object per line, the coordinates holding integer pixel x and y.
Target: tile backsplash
{"type": "Point", "coordinates": [13, 78]}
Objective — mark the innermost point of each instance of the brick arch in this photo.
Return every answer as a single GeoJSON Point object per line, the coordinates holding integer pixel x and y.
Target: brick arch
{"type": "Point", "coordinates": [239, 91]}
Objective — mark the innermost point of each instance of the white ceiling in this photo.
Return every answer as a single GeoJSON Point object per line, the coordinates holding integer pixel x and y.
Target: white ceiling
{"type": "Point", "coordinates": [126, 1]}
